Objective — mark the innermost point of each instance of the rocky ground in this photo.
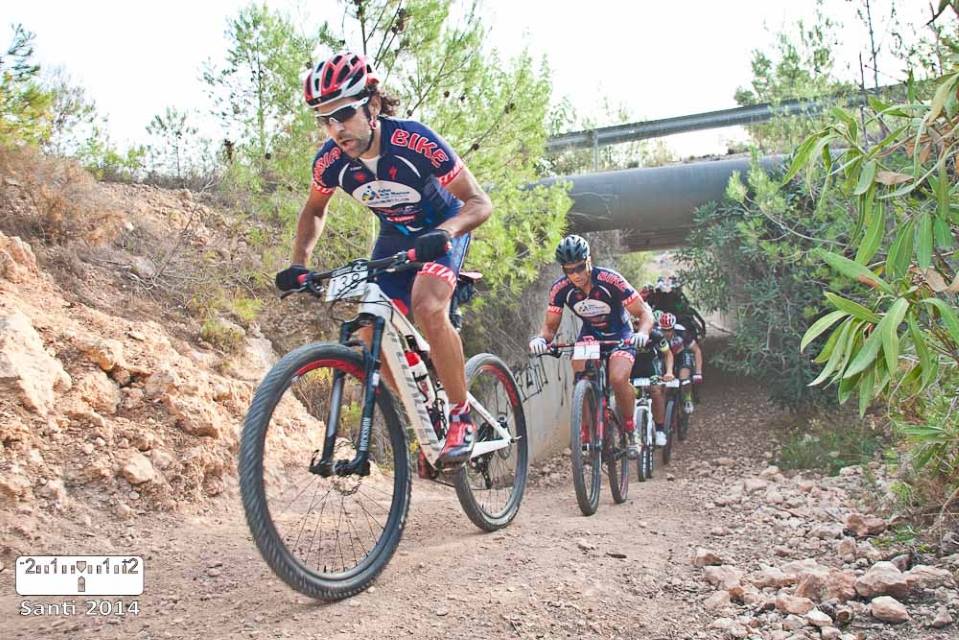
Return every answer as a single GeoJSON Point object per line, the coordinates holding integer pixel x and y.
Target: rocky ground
{"type": "Point", "coordinates": [719, 545]}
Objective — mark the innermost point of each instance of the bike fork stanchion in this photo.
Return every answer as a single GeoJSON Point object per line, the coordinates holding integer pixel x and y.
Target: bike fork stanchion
{"type": "Point", "coordinates": [360, 463]}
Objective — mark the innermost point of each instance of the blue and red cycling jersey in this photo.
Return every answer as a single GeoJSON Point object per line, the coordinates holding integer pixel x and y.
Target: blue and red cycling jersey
{"type": "Point", "coordinates": [406, 186]}
{"type": "Point", "coordinates": [603, 310]}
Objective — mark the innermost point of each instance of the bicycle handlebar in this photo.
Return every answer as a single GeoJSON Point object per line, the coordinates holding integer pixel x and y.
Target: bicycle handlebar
{"type": "Point", "coordinates": [402, 261]}
{"type": "Point", "coordinates": [556, 350]}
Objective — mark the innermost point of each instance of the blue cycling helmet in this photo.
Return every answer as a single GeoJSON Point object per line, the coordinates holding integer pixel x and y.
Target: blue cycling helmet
{"type": "Point", "coordinates": [572, 249]}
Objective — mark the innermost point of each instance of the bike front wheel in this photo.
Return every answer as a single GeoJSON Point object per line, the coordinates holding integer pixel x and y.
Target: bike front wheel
{"type": "Point", "coordinates": [614, 453]}
{"type": "Point", "coordinates": [682, 424]}
{"type": "Point", "coordinates": [644, 469]}
{"type": "Point", "coordinates": [326, 537]}
{"type": "Point", "coordinates": [490, 486]}
{"type": "Point", "coordinates": [585, 446]}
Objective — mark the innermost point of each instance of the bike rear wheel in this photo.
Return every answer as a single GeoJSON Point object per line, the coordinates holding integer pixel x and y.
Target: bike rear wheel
{"type": "Point", "coordinates": [585, 446]}
{"type": "Point", "coordinates": [490, 487]}
{"type": "Point", "coordinates": [614, 454]}
{"type": "Point", "coordinates": [326, 537]}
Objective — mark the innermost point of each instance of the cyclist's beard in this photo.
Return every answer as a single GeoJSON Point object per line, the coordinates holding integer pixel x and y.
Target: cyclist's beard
{"type": "Point", "coordinates": [361, 143]}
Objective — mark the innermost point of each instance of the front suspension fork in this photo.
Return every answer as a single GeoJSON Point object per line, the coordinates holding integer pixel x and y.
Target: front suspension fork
{"type": "Point", "coordinates": [360, 464]}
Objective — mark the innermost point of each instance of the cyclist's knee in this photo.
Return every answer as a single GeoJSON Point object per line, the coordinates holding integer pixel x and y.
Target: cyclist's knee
{"type": "Point", "coordinates": [430, 309]}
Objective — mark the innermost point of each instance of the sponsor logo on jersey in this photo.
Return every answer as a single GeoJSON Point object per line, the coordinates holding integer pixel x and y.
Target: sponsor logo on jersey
{"type": "Point", "coordinates": [382, 193]}
{"type": "Point", "coordinates": [613, 278]}
{"type": "Point", "coordinates": [421, 145]}
{"type": "Point", "coordinates": [326, 160]}
{"type": "Point", "coordinates": [557, 287]}
{"type": "Point", "coordinates": [591, 308]}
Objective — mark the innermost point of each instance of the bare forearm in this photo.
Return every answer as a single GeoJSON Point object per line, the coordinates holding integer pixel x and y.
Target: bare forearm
{"type": "Point", "coordinates": [309, 227]}
{"type": "Point", "coordinates": [550, 327]}
{"type": "Point", "coordinates": [474, 212]}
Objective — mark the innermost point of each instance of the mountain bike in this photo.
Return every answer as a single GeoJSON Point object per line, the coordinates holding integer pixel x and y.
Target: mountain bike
{"type": "Point", "coordinates": [643, 419]}
{"type": "Point", "coordinates": [596, 436]}
{"type": "Point", "coordinates": [325, 460]}
{"type": "Point", "coordinates": [677, 420]}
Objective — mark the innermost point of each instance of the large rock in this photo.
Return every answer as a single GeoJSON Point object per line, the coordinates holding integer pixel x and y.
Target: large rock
{"type": "Point", "coordinates": [705, 557]}
{"type": "Point", "coordinates": [723, 577]}
{"type": "Point", "coordinates": [718, 601]}
{"type": "Point", "coordinates": [138, 469]}
{"type": "Point", "coordinates": [818, 619]}
{"type": "Point", "coordinates": [883, 578]}
{"type": "Point", "coordinates": [99, 391]}
{"type": "Point", "coordinates": [847, 549]}
{"type": "Point", "coordinates": [17, 262]}
{"type": "Point", "coordinates": [943, 618]}
{"type": "Point", "coordinates": [862, 526]}
{"type": "Point", "coordinates": [14, 485]}
{"type": "Point", "coordinates": [770, 577]}
{"type": "Point", "coordinates": [794, 605]}
{"type": "Point", "coordinates": [794, 570]}
{"type": "Point", "coordinates": [925, 577]}
{"type": "Point", "coordinates": [106, 353]}
{"type": "Point", "coordinates": [888, 610]}
{"type": "Point", "coordinates": [27, 371]}
{"type": "Point", "coordinates": [196, 416]}
{"type": "Point", "coordinates": [812, 583]}
{"type": "Point", "coordinates": [839, 585]}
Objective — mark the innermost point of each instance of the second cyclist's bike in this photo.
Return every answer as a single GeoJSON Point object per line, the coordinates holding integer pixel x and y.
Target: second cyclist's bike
{"type": "Point", "coordinates": [597, 438]}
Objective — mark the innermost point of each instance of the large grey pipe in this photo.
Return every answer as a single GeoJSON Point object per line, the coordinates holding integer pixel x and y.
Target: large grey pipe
{"type": "Point", "coordinates": [653, 205]}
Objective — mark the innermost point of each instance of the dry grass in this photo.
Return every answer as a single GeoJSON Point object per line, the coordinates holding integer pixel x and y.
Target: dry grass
{"type": "Point", "coordinates": [53, 200]}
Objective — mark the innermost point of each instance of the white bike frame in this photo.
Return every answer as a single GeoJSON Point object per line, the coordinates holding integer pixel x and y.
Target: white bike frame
{"type": "Point", "coordinates": [644, 404]}
{"type": "Point", "coordinates": [398, 332]}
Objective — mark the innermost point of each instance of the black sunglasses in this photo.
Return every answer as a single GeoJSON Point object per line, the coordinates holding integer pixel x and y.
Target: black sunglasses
{"type": "Point", "coordinates": [342, 114]}
{"type": "Point", "coordinates": [579, 268]}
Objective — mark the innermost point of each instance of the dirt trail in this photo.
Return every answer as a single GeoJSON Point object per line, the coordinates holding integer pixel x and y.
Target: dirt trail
{"type": "Point", "coordinates": [549, 574]}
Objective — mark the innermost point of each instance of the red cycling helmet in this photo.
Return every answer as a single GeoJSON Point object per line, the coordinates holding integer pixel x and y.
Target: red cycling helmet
{"type": "Point", "coordinates": [667, 321]}
{"type": "Point", "coordinates": [342, 76]}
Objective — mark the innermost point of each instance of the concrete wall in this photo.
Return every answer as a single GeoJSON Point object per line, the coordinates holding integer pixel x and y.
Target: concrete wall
{"type": "Point", "coordinates": [546, 386]}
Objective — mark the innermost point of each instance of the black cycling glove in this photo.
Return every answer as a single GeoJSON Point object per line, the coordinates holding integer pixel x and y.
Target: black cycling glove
{"type": "Point", "coordinates": [287, 279]}
{"type": "Point", "coordinates": [432, 245]}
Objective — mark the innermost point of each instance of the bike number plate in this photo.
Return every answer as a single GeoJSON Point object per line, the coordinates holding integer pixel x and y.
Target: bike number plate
{"type": "Point", "coordinates": [347, 282]}
{"type": "Point", "coordinates": [586, 351]}
{"type": "Point", "coordinates": [640, 382]}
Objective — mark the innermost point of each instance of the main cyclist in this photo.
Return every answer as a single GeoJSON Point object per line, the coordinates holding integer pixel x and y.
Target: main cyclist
{"type": "Point", "coordinates": [603, 300]}
{"type": "Point", "coordinates": [425, 197]}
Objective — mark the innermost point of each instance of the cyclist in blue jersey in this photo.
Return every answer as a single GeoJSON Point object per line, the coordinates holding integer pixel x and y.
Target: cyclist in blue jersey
{"type": "Point", "coordinates": [604, 301]}
{"type": "Point", "coordinates": [424, 196]}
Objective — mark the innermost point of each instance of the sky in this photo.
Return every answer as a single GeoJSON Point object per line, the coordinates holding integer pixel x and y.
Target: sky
{"type": "Point", "coordinates": [656, 59]}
